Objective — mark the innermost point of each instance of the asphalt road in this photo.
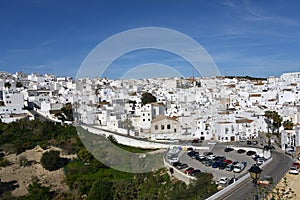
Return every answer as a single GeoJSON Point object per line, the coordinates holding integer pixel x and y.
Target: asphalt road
{"type": "Point", "coordinates": [277, 168]}
{"type": "Point", "coordinates": [218, 150]}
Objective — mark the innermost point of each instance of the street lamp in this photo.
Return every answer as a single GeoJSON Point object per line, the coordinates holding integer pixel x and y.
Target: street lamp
{"type": "Point", "coordinates": [255, 173]}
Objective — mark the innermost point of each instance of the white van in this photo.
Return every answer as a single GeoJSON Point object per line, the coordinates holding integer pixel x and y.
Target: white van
{"type": "Point", "coordinates": [238, 167]}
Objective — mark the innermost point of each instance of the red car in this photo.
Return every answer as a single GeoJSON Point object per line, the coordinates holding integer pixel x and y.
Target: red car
{"type": "Point", "coordinates": [227, 161]}
{"type": "Point", "coordinates": [265, 181]}
{"type": "Point", "coordinates": [296, 164]}
{"type": "Point", "coordinates": [188, 170]}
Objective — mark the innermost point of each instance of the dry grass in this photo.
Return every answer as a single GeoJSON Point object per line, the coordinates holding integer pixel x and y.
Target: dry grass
{"type": "Point", "coordinates": [25, 175]}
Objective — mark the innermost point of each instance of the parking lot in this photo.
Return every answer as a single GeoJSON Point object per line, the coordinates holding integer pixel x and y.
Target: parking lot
{"type": "Point", "coordinates": [218, 150]}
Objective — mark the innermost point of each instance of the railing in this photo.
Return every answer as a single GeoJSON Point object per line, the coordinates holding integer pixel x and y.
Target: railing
{"type": "Point", "coordinates": [222, 193]}
{"type": "Point", "coordinates": [177, 173]}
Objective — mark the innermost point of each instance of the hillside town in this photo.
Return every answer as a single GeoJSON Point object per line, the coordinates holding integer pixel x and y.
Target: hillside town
{"type": "Point", "coordinates": [221, 109]}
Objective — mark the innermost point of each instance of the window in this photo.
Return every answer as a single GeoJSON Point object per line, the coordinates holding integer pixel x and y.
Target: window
{"type": "Point", "coordinates": [168, 126]}
{"type": "Point", "coordinates": [174, 130]}
{"type": "Point", "coordinates": [162, 127]}
{"type": "Point", "coordinates": [226, 130]}
{"type": "Point", "coordinates": [148, 120]}
{"type": "Point", "coordinates": [156, 127]}
{"type": "Point", "coordinates": [143, 120]}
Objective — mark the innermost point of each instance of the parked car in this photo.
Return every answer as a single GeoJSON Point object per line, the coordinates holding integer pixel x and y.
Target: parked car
{"type": "Point", "coordinates": [245, 163]}
{"type": "Point", "coordinates": [216, 164]}
{"type": "Point", "coordinates": [195, 172]}
{"type": "Point", "coordinates": [227, 161]}
{"type": "Point", "coordinates": [269, 147]}
{"type": "Point", "coordinates": [235, 162]}
{"type": "Point", "coordinates": [209, 163]}
{"type": "Point", "coordinates": [219, 158]}
{"type": "Point", "coordinates": [249, 142]}
{"type": "Point", "coordinates": [255, 157]}
{"type": "Point", "coordinates": [233, 180]}
{"type": "Point", "coordinates": [228, 149]}
{"type": "Point", "coordinates": [208, 153]}
{"type": "Point", "coordinates": [175, 164]}
{"type": "Point", "coordinates": [190, 149]}
{"type": "Point", "coordinates": [250, 153]}
{"type": "Point", "coordinates": [229, 167]}
{"type": "Point", "coordinates": [241, 151]}
{"type": "Point", "coordinates": [265, 181]}
{"type": "Point", "coordinates": [182, 166]}
{"type": "Point", "coordinates": [296, 164]}
{"type": "Point", "coordinates": [238, 167]}
{"type": "Point", "coordinates": [192, 153]}
{"type": "Point", "coordinates": [223, 180]}
{"type": "Point", "coordinates": [199, 158]}
{"type": "Point", "coordinates": [222, 158]}
{"type": "Point", "coordinates": [174, 159]}
{"type": "Point", "coordinates": [255, 142]}
{"type": "Point", "coordinates": [172, 155]}
{"type": "Point", "coordinates": [205, 160]}
{"type": "Point", "coordinates": [195, 141]}
{"type": "Point", "coordinates": [188, 170]}
{"type": "Point", "coordinates": [294, 170]}
{"type": "Point", "coordinates": [259, 161]}
{"type": "Point", "coordinates": [211, 157]}
{"type": "Point", "coordinates": [223, 165]}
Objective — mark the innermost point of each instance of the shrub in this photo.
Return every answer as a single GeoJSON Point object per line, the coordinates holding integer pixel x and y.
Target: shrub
{"type": "Point", "coordinates": [52, 161]}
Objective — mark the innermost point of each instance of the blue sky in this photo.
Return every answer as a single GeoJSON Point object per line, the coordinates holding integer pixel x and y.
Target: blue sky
{"type": "Point", "coordinates": [256, 38]}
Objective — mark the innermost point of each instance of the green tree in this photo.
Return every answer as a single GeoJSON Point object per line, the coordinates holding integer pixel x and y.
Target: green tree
{"type": "Point", "coordinates": [125, 190]}
{"type": "Point", "coordinates": [19, 84]}
{"type": "Point", "coordinates": [127, 124]}
{"type": "Point", "coordinates": [148, 98]}
{"type": "Point", "coordinates": [288, 125]}
{"type": "Point", "coordinates": [274, 122]}
{"type": "Point", "coordinates": [101, 190]}
{"type": "Point", "coordinates": [52, 161]}
{"type": "Point", "coordinates": [68, 111]}
{"type": "Point", "coordinates": [84, 155]}
{"type": "Point", "coordinates": [37, 191]}
{"type": "Point", "coordinates": [7, 85]}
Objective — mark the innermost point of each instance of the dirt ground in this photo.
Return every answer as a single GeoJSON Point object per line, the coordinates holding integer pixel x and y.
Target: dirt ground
{"type": "Point", "coordinates": [25, 175]}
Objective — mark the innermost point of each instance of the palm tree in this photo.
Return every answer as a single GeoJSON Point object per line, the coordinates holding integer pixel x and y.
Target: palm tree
{"type": "Point", "coordinates": [274, 121]}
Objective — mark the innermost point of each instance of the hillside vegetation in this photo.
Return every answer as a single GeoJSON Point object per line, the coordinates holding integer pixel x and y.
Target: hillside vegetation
{"type": "Point", "coordinates": [85, 176]}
